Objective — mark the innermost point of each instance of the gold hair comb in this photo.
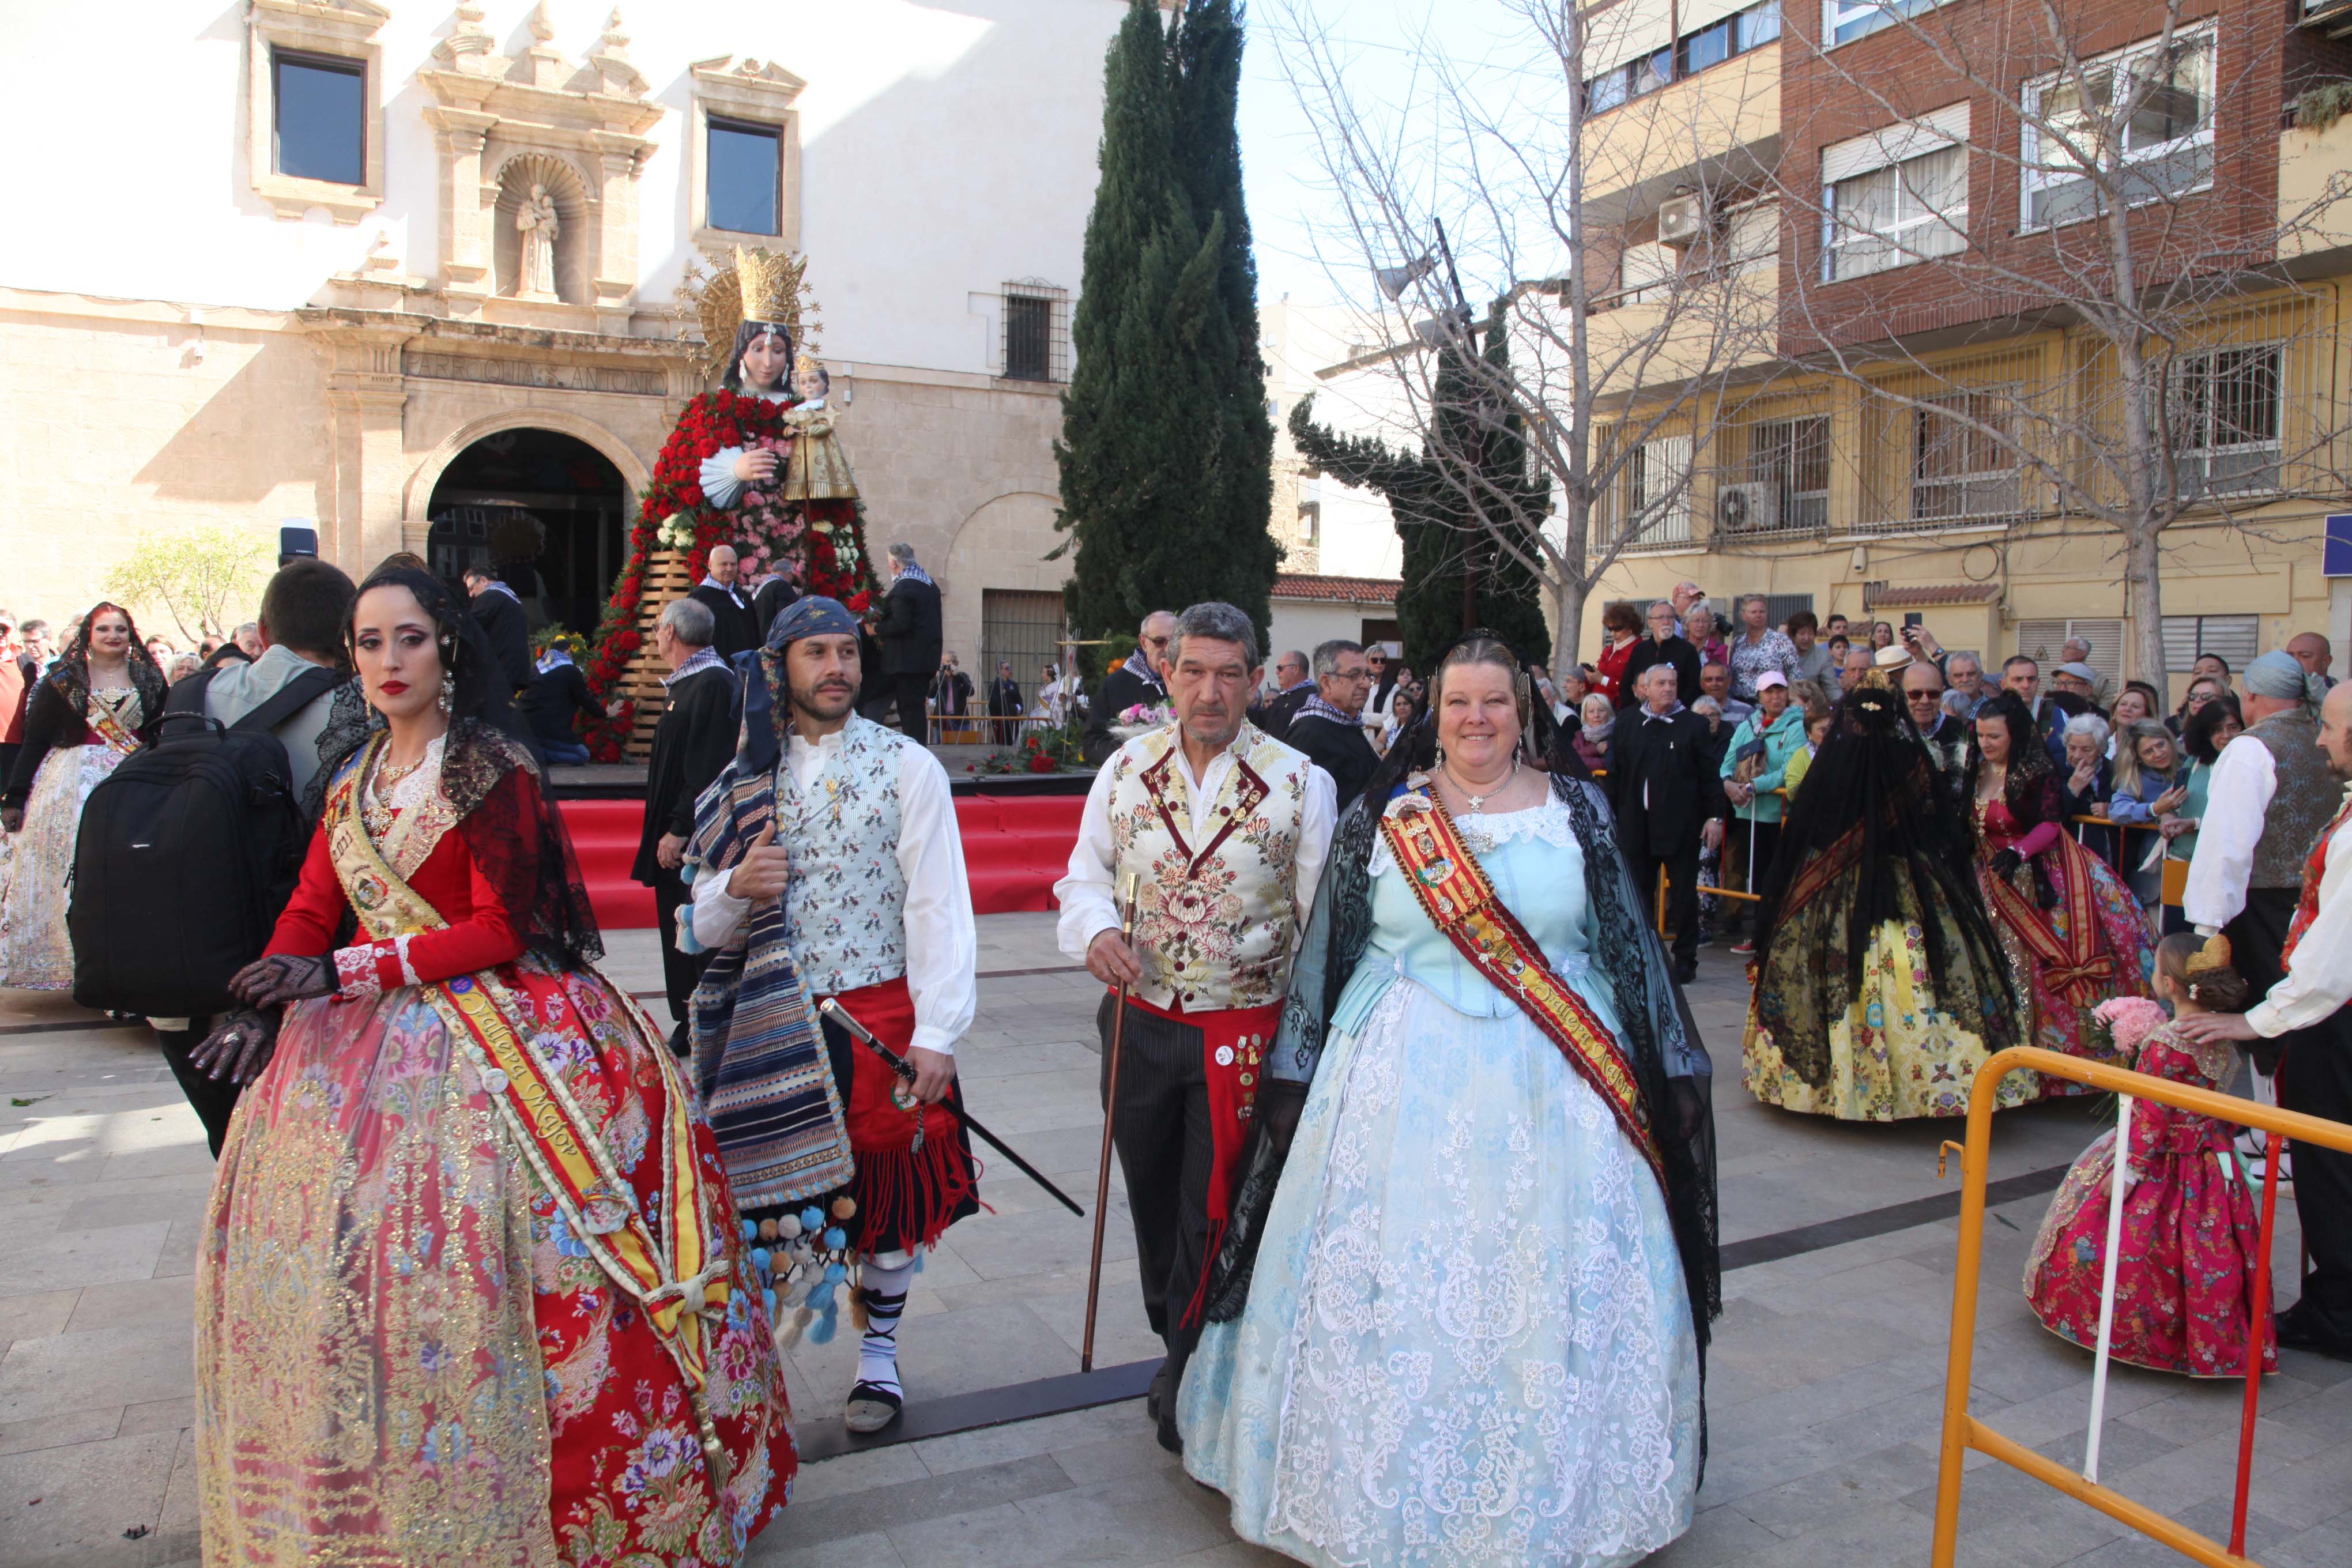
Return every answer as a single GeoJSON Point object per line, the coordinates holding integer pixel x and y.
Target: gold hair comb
{"type": "Point", "coordinates": [2214, 954]}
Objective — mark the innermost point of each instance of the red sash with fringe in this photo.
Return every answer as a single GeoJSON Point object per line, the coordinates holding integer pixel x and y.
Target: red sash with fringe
{"type": "Point", "coordinates": [1453, 892]}
{"type": "Point", "coordinates": [2081, 969]}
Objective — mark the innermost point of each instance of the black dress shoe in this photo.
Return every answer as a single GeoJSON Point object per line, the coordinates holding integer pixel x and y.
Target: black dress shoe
{"type": "Point", "coordinates": [2302, 1328]}
{"type": "Point", "coordinates": [1152, 1395]}
{"type": "Point", "coordinates": [1685, 971]}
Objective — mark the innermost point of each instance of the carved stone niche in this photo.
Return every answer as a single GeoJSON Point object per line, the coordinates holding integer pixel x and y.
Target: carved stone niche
{"type": "Point", "coordinates": [341, 29]}
{"type": "Point", "coordinates": [559, 178]}
{"type": "Point", "coordinates": [501, 124]}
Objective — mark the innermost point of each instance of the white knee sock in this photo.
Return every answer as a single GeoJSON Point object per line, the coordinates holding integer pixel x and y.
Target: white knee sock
{"type": "Point", "coordinates": [882, 1294]}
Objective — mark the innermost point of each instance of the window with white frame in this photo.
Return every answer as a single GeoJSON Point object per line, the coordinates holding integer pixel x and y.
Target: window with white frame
{"type": "Point", "coordinates": [2226, 408]}
{"type": "Point", "coordinates": [1897, 195]}
{"type": "Point", "coordinates": [2233, 639]}
{"type": "Point", "coordinates": [1653, 493]}
{"type": "Point", "coordinates": [2138, 123]}
{"type": "Point", "coordinates": [1789, 462]}
{"type": "Point", "coordinates": [1644, 272]}
{"type": "Point", "coordinates": [1844, 21]}
{"type": "Point", "coordinates": [1963, 458]}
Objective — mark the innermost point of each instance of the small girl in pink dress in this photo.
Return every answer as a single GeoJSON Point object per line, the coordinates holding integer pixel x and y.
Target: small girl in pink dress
{"type": "Point", "coordinates": [2184, 1286]}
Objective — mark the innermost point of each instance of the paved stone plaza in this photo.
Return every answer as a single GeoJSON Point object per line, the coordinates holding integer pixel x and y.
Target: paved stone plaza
{"type": "Point", "coordinates": [1823, 1392]}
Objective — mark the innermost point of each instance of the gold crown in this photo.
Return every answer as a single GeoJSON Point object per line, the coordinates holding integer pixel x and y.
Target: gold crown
{"type": "Point", "coordinates": [2214, 954]}
{"type": "Point", "coordinates": [759, 286]}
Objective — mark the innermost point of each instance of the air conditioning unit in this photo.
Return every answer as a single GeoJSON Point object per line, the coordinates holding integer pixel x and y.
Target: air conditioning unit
{"type": "Point", "coordinates": [1747, 509]}
{"type": "Point", "coordinates": [1681, 221]}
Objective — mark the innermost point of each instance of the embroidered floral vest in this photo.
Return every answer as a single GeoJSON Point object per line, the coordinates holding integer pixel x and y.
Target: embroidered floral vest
{"type": "Point", "coordinates": [846, 905]}
{"type": "Point", "coordinates": [2306, 798]}
{"type": "Point", "coordinates": [1215, 919]}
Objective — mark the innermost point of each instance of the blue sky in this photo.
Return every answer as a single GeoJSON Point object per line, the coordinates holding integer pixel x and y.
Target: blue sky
{"type": "Point", "coordinates": [1379, 43]}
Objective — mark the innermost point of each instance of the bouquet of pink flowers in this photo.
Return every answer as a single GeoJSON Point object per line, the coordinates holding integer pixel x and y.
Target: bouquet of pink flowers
{"type": "Point", "coordinates": [767, 529]}
{"type": "Point", "coordinates": [1144, 715]}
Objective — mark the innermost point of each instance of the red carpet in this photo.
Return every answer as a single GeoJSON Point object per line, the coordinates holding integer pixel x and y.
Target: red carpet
{"type": "Point", "coordinates": [1014, 848]}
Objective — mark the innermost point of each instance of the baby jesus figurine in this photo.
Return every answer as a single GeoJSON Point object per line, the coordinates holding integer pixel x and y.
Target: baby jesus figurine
{"type": "Point", "coordinates": [817, 468]}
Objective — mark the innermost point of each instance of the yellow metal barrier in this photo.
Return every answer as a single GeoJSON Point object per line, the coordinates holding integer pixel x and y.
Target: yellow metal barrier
{"type": "Point", "coordinates": [1963, 1431]}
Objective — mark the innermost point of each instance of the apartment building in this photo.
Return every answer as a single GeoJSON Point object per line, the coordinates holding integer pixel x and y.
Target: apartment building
{"type": "Point", "coordinates": [1949, 415]}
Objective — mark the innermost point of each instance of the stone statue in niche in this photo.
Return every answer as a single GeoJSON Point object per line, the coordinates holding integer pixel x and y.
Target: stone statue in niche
{"type": "Point", "coordinates": [536, 220]}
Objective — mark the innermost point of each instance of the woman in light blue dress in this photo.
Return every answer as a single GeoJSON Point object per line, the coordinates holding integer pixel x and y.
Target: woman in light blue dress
{"type": "Point", "coordinates": [1460, 1312]}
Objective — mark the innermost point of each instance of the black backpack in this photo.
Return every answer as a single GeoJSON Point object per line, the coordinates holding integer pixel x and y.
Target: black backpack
{"type": "Point", "coordinates": [189, 852]}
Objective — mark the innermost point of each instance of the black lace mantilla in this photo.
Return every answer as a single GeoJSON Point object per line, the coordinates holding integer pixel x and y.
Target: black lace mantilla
{"type": "Point", "coordinates": [517, 839]}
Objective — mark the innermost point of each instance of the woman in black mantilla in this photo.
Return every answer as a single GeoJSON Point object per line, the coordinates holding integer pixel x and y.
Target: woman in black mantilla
{"type": "Point", "coordinates": [1457, 1197]}
{"type": "Point", "coordinates": [1880, 986]}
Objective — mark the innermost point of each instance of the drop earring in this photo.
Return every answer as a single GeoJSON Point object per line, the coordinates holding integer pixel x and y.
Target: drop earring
{"type": "Point", "coordinates": [448, 692]}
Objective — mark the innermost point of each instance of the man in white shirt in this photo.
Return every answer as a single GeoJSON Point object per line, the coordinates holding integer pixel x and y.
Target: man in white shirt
{"type": "Point", "coordinates": [1225, 830]}
{"type": "Point", "coordinates": [2311, 1004]}
{"type": "Point", "coordinates": [2270, 793]}
{"type": "Point", "coordinates": [826, 864]}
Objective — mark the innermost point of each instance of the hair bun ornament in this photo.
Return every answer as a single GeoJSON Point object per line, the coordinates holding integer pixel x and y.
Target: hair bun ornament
{"type": "Point", "coordinates": [2214, 954]}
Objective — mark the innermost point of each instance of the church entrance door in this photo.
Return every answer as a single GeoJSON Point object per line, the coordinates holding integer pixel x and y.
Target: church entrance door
{"type": "Point", "coordinates": [544, 511]}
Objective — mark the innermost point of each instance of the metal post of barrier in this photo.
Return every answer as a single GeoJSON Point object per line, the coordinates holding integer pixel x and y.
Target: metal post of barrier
{"type": "Point", "coordinates": [2273, 1147]}
{"type": "Point", "coordinates": [1962, 1431]}
{"type": "Point", "coordinates": [2116, 1184]}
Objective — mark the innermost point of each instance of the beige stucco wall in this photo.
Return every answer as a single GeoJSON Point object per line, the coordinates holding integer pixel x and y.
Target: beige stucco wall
{"type": "Point", "coordinates": [121, 420]}
{"type": "Point", "coordinates": [121, 424]}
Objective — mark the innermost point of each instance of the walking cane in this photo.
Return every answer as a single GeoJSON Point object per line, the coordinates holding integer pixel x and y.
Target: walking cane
{"type": "Point", "coordinates": [1110, 1109]}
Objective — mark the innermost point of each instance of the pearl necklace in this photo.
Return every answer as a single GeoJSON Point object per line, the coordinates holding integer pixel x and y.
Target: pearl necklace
{"type": "Point", "coordinates": [1478, 802]}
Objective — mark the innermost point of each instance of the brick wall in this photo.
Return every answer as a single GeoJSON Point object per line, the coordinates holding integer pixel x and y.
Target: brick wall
{"type": "Point", "coordinates": [1850, 91]}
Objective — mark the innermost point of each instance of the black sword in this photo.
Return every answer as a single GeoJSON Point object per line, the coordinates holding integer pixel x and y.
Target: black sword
{"type": "Point", "coordinates": [899, 1065]}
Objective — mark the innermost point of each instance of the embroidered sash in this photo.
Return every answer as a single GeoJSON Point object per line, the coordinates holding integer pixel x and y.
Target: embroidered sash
{"type": "Point", "coordinates": [2082, 968]}
{"type": "Point", "coordinates": [2306, 907]}
{"type": "Point", "coordinates": [662, 1260]}
{"type": "Point", "coordinates": [1453, 892]}
{"type": "Point", "coordinates": [103, 723]}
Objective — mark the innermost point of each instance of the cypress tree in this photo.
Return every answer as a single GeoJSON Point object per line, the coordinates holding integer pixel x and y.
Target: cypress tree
{"type": "Point", "coordinates": [1165, 452]}
{"type": "Point", "coordinates": [1469, 484]}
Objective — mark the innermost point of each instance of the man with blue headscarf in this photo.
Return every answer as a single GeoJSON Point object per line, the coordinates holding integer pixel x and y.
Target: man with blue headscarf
{"type": "Point", "coordinates": [826, 864]}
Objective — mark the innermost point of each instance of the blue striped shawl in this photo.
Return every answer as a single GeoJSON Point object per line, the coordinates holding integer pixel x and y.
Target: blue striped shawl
{"type": "Point", "coordinates": [760, 1065]}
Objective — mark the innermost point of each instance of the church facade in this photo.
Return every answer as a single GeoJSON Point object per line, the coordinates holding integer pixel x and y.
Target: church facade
{"type": "Point", "coordinates": [404, 273]}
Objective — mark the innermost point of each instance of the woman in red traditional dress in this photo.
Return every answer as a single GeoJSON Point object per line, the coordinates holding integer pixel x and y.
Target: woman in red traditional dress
{"type": "Point", "coordinates": [2185, 1271]}
{"type": "Point", "coordinates": [2074, 934]}
{"type": "Point", "coordinates": [471, 1290]}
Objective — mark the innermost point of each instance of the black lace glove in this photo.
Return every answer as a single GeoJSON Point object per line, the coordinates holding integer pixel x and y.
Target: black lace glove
{"type": "Point", "coordinates": [2005, 862]}
{"type": "Point", "coordinates": [239, 1046]}
{"type": "Point", "coordinates": [283, 977]}
{"type": "Point", "coordinates": [1688, 1107]}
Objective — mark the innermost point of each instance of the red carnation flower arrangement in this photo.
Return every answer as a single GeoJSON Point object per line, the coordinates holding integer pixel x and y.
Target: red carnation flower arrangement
{"type": "Point", "coordinates": [832, 544]}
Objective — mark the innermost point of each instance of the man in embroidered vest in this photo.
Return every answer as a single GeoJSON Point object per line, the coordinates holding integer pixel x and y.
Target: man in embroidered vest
{"type": "Point", "coordinates": [2311, 1005]}
{"type": "Point", "coordinates": [1225, 830]}
{"type": "Point", "coordinates": [825, 863]}
{"type": "Point", "coordinates": [2268, 799]}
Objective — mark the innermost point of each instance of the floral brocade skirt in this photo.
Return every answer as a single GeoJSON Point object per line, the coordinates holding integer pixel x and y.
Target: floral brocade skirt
{"type": "Point", "coordinates": [2184, 1275]}
{"type": "Point", "coordinates": [404, 1354]}
{"type": "Point", "coordinates": [35, 954]}
{"type": "Point", "coordinates": [1893, 1046]}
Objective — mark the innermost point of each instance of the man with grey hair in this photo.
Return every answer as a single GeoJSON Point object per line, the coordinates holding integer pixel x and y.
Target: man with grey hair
{"type": "Point", "coordinates": [1224, 831]}
{"type": "Point", "coordinates": [912, 632]}
{"type": "Point", "coordinates": [2077, 650]}
{"type": "Point", "coordinates": [733, 626]}
{"type": "Point", "coordinates": [1328, 726]}
{"type": "Point", "coordinates": [1292, 684]}
{"type": "Point", "coordinates": [1665, 645]}
{"type": "Point", "coordinates": [1966, 672]}
{"type": "Point", "coordinates": [693, 740]}
{"type": "Point", "coordinates": [1139, 682]}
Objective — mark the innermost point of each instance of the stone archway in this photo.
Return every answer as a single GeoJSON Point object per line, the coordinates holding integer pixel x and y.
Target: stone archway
{"type": "Point", "coordinates": [418, 492]}
{"type": "Point", "coordinates": [545, 510]}
{"type": "Point", "coordinates": [1003, 596]}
